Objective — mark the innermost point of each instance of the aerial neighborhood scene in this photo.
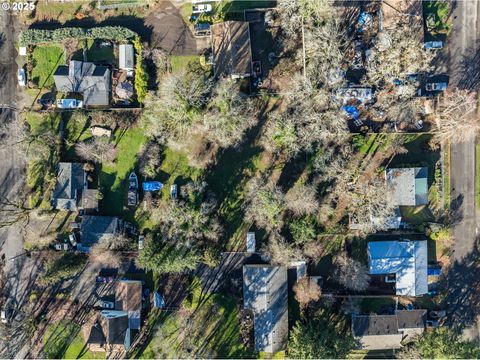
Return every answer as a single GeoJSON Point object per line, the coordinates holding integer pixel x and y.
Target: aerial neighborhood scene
{"type": "Point", "coordinates": [239, 179]}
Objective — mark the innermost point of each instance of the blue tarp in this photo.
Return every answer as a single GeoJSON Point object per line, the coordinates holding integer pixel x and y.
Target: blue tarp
{"type": "Point", "coordinates": [69, 103]}
{"type": "Point", "coordinates": [434, 271]}
{"type": "Point", "coordinates": [152, 186]}
{"type": "Point", "coordinates": [351, 111]}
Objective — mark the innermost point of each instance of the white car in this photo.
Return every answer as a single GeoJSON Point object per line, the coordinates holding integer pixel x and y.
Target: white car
{"type": "Point", "coordinates": [201, 8]}
{"type": "Point", "coordinates": [141, 242]}
{"type": "Point", "coordinates": [22, 77]}
{"type": "Point", "coordinates": [73, 239]}
{"type": "Point", "coordinates": [3, 316]}
{"type": "Point", "coordinates": [69, 104]}
{"type": "Point", "coordinates": [436, 86]}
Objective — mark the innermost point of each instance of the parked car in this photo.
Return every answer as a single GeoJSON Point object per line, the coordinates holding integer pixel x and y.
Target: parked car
{"type": "Point", "coordinates": [46, 102]}
{"type": "Point", "coordinates": [202, 29]}
{"type": "Point", "coordinates": [433, 44]}
{"type": "Point", "coordinates": [432, 323]}
{"type": "Point", "coordinates": [436, 86]}
{"type": "Point", "coordinates": [201, 8]}
{"type": "Point", "coordinates": [69, 104]}
{"type": "Point", "coordinates": [104, 279]}
{"type": "Point", "coordinates": [437, 314]}
{"type": "Point", "coordinates": [173, 191]}
{"type": "Point", "coordinates": [22, 77]}
{"type": "Point", "coordinates": [141, 242]}
{"type": "Point", "coordinates": [3, 316]}
{"type": "Point", "coordinates": [73, 239]}
{"type": "Point", "coordinates": [105, 304]}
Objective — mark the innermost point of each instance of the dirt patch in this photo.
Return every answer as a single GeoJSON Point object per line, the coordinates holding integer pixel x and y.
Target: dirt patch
{"type": "Point", "coordinates": [169, 31]}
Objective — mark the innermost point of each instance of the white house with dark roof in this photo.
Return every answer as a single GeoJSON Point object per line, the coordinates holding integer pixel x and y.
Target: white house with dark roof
{"type": "Point", "coordinates": [71, 180]}
{"type": "Point", "coordinates": [384, 332]}
{"type": "Point", "coordinates": [405, 260]}
{"type": "Point", "coordinates": [409, 185]}
{"type": "Point", "coordinates": [265, 293]}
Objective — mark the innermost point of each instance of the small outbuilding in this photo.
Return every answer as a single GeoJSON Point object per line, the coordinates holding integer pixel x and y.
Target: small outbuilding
{"type": "Point", "coordinates": [126, 57]}
{"type": "Point", "coordinates": [409, 185]}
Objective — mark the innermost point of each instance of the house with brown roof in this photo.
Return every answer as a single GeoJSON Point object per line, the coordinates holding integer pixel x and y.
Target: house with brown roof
{"type": "Point", "coordinates": [384, 332]}
{"type": "Point", "coordinates": [114, 330]}
{"type": "Point", "coordinates": [232, 53]}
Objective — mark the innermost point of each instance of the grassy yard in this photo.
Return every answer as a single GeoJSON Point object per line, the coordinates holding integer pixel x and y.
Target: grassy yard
{"type": "Point", "coordinates": [114, 179]}
{"type": "Point", "coordinates": [208, 326]}
{"type": "Point", "coordinates": [437, 16]}
{"type": "Point", "coordinates": [63, 340]}
{"type": "Point", "coordinates": [59, 11]}
{"type": "Point", "coordinates": [98, 53]}
{"type": "Point", "coordinates": [376, 305]}
{"type": "Point", "coordinates": [46, 59]}
{"type": "Point", "coordinates": [180, 62]}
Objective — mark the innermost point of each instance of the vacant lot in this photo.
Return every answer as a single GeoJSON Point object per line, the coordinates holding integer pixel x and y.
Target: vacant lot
{"type": "Point", "coordinates": [46, 60]}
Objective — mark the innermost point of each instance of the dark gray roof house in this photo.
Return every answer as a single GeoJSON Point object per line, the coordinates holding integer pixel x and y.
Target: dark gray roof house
{"type": "Point", "coordinates": [89, 201]}
{"type": "Point", "coordinates": [265, 293]}
{"type": "Point", "coordinates": [71, 180]}
{"type": "Point", "coordinates": [110, 331]}
{"type": "Point", "coordinates": [409, 185]}
{"type": "Point", "coordinates": [93, 81]}
{"type": "Point", "coordinates": [96, 228]}
{"type": "Point", "coordinates": [381, 332]}
{"type": "Point", "coordinates": [126, 57]}
{"type": "Point", "coordinates": [232, 54]}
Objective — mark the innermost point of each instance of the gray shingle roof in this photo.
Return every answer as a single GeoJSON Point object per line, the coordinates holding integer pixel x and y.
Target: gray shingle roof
{"type": "Point", "coordinates": [411, 319]}
{"type": "Point", "coordinates": [265, 292]}
{"type": "Point", "coordinates": [366, 325]}
{"type": "Point", "coordinates": [410, 185]}
{"type": "Point", "coordinates": [70, 181]}
{"type": "Point", "coordinates": [95, 228]}
{"type": "Point", "coordinates": [114, 325]}
{"type": "Point", "coordinates": [87, 78]}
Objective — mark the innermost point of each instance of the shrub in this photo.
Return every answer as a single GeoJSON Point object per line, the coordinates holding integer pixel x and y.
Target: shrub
{"type": "Point", "coordinates": [38, 36]}
{"type": "Point", "coordinates": [141, 76]}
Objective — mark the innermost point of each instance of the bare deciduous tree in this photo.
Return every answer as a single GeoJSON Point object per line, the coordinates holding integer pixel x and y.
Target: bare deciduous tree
{"type": "Point", "coordinates": [351, 273]}
{"type": "Point", "coordinates": [302, 200]}
{"type": "Point", "coordinates": [456, 116]}
{"type": "Point", "coordinates": [279, 251]}
{"type": "Point", "coordinates": [97, 149]}
{"type": "Point", "coordinates": [306, 290]}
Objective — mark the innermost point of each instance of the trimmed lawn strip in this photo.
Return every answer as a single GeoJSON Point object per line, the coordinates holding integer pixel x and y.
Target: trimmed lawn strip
{"type": "Point", "coordinates": [46, 58]}
{"type": "Point", "coordinates": [114, 179]}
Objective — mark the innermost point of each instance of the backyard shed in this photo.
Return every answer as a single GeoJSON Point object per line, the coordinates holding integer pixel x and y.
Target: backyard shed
{"type": "Point", "coordinates": [126, 57]}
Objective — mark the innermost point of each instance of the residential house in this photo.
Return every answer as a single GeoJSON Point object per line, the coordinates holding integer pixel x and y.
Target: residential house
{"type": "Point", "coordinates": [265, 293]}
{"type": "Point", "coordinates": [232, 54]}
{"type": "Point", "coordinates": [383, 332]}
{"type": "Point", "coordinates": [115, 329]}
{"type": "Point", "coordinates": [98, 228]}
{"type": "Point", "coordinates": [409, 185]}
{"type": "Point", "coordinates": [126, 57]}
{"type": "Point", "coordinates": [71, 181]}
{"type": "Point", "coordinates": [93, 81]}
{"type": "Point", "coordinates": [403, 262]}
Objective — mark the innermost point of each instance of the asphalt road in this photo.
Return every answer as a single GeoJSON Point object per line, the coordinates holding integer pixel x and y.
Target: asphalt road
{"type": "Point", "coordinates": [20, 271]}
{"type": "Point", "coordinates": [462, 47]}
{"type": "Point", "coordinates": [463, 279]}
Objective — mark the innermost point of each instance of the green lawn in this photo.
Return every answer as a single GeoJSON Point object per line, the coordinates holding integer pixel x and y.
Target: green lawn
{"type": "Point", "coordinates": [213, 330]}
{"type": "Point", "coordinates": [376, 305]}
{"type": "Point", "coordinates": [180, 62]}
{"type": "Point", "coordinates": [46, 59]}
{"type": "Point", "coordinates": [63, 340]}
{"type": "Point", "coordinates": [99, 53]}
{"type": "Point", "coordinates": [241, 5]}
{"type": "Point", "coordinates": [114, 179]}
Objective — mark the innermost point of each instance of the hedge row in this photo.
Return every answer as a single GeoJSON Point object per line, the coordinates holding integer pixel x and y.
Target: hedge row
{"type": "Point", "coordinates": [37, 36]}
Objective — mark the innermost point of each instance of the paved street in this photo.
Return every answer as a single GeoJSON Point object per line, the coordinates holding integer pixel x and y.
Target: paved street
{"type": "Point", "coordinates": [464, 276]}
{"type": "Point", "coordinates": [21, 271]}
